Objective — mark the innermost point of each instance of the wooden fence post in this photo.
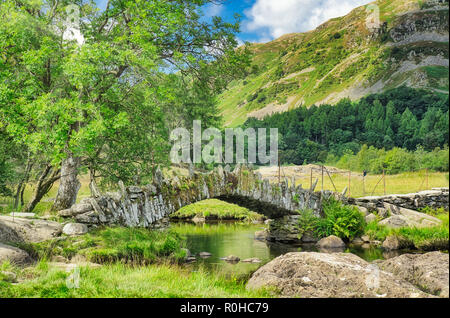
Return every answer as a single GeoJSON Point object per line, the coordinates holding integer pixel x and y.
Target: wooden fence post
{"type": "Point", "coordinates": [384, 182]}
{"type": "Point", "coordinates": [322, 177]}
{"type": "Point", "coordinates": [349, 181]}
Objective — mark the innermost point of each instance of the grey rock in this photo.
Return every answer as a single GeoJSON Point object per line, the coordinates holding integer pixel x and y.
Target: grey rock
{"type": "Point", "coordinates": [261, 235]}
{"type": "Point", "coordinates": [391, 242]}
{"type": "Point", "coordinates": [231, 259]}
{"type": "Point", "coordinates": [75, 229]}
{"type": "Point", "coordinates": [362, 209]}
{"type": "Point", "coordinates": [22, 214]}
{"type": "Point", "coordinates": [357, 241]}
{"type": "Point", "coordinates": [397, 221]}
{"type": "Point", "coordinates": [429, 271]}
{"type": "Point", "coordinates": [204, 254]}
{"type": "Point", "coordinates": [13, 254]}
{"type": "Point", "coordinates": [76, 209]}
{"type": "Point", "coordinates": [343, 275]}
{"type": "Point", "coordinates": [331, 241]}
{"type": "Point", "coordinates": [251, 260]}
{"type": "Point", "coordinates": [198, 219]}
{"type": "Point", "coordinates": [27, 230]}
{"type": "Point", "coordinates": [8, 276]}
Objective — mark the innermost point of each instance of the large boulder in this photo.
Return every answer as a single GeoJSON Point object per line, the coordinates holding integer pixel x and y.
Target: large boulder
{"type": "Point", "coordinates": [331, 242]}
{"type": "Point", "coordinates": [429, 272]}
{"type": "Point", "coordinates": [337, 275]}
{"type": "Point", "coordinates": [401, 217]}
{"type": "Point", "coordinates": [13, 254]}
{"type": "Point", "coordinates": [14, 229]}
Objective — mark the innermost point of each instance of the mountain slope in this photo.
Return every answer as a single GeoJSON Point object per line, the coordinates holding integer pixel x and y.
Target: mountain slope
{"type": "Point", "coordinates": [345, 58]}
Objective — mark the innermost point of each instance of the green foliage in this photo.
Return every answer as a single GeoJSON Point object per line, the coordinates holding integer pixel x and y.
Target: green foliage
{"type": "Point", "coordinates": [214, 209]}
{"type": "Point", "coordinates": [400, 121]}
{"type": "Point", "coordinates": [112, 100]}
{"type": "Point", "coordinates": [340, 220]}
{"type": "Point", "coordinates": [376, 231]}
{"type": "Point", "coordinates": [432, 211]}
{"type": "Point", "coordinates": [394, 161]}
{"type": "Point", "coordinates": [307, 222]}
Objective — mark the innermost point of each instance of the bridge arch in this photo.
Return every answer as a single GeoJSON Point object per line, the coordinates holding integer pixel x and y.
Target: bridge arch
{"type": "Point", "coordinates": [141, 206]}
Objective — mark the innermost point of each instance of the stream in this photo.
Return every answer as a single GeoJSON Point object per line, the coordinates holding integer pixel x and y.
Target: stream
{"type": "Point", "coordinates": [234, 238]}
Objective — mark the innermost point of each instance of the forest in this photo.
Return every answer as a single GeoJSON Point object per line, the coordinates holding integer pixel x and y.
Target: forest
{"type": "Point", "coordinates": [405, 119]}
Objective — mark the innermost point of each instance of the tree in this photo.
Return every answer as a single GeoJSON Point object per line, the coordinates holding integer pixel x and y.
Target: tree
{"type": "Point", "coordinates": [77, 101]}
{"type": "Point", "coordinates": [408, 129]}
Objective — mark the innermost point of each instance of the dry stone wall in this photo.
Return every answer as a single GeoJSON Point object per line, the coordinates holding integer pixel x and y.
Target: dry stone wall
{"type": "Point", "coordinates": [435, 198]}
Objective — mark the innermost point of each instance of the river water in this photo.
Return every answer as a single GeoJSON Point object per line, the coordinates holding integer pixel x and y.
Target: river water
{"type": "Point", "coordinates": [234, 238]}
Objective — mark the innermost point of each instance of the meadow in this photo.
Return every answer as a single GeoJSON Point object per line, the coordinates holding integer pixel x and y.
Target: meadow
{"type": "Point", "coordinates": [357, 186]}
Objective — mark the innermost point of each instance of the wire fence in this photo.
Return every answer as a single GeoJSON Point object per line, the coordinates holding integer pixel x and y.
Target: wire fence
{"type": "Point", "coordinates": [355, 184]}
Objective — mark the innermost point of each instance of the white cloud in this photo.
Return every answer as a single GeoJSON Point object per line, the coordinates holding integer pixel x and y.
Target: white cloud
{"type": "Point", "coordinates": [278, 17]}
{"type": "Point", "coordinates": [213, 9]}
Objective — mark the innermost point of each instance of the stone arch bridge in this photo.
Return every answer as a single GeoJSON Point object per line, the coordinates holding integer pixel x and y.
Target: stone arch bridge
{"type": "Point", "coordinates": [141, 206]}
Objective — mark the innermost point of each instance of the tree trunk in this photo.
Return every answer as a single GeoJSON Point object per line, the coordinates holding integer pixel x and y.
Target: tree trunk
{"type": "Point", "coordinates": [22, 184]}
{"type": "Point", "coordinates": [69, 184]}
{"type": "Point", "coordinates": [44, 184]}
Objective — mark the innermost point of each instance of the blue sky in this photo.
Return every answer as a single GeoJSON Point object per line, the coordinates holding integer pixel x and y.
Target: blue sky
{"type": "Point", "coordinates": [265, 20]}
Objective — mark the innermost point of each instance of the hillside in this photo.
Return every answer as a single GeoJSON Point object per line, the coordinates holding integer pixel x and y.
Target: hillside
{"type": "Point", "coordinates": [344, 58]}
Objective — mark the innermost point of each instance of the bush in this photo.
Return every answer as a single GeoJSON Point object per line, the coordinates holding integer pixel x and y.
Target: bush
{"type": "Point", "coordinates": [340, 220]}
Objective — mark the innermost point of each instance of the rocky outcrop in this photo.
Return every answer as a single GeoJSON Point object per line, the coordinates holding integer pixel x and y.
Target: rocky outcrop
{"type": "Point", "coordinates": [419, 26]}
{"type": "Point", "coordinates": [343, 275]}
{"type": "Point", "coordinates": [429, 272]}
{"type": "Point", "coordinates": [14, 229]}
{"type": "Point", "coordinates": [13, 254]}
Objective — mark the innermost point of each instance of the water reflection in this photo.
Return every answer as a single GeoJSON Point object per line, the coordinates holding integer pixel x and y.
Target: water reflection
{"type": "Point", "coordinates": [233, 238]}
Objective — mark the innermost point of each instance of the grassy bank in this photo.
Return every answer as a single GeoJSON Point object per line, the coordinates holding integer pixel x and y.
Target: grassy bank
{"type": "Point", "coordinates": [214, 209]}
{"type": "Point", "coordinates": [134, 263]}
{"type": "Point", "coordinates": [431, 238]}
{"type": "Point", "coordinates": [120, 280]}
{"type": "Point", "coordinates": [114, 244]}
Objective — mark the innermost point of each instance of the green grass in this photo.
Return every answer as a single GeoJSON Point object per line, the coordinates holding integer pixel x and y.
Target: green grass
{"type": "Point", "coordinates": [407, 182]}
{"type": "Point", "coordinates": [120, 280]}
{"type": "Point", "coordinates": [214, 209]}
{"type": "Point", "coordinates": [431, 238]}
{"type": "Point", "coordinates": [112, 244]}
